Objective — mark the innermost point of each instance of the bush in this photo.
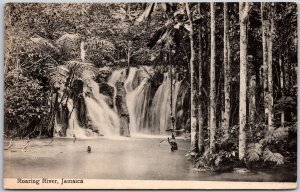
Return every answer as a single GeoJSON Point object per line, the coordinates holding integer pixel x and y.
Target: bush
{"type": "Point", "coordinates": [25, 104]}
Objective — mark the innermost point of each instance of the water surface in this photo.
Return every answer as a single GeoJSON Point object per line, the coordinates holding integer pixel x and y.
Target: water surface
{"type": "Point", "coordinates": [117, 158]}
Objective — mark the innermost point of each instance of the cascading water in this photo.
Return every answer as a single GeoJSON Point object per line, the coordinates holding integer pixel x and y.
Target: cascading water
{"type": "Point", "coordinates": [132, 93]}
{"type": "Point", "coordinates": [148, 107]}
{"type": "Point", "coordinates": [160, 108]}
{"type": "Point", "coordinates": [142, 108]}
{"type": "Point", "coordinates": [146, 114]}
{"type": "Point", "coordinates": [115, 76]}
{"type": "Point", "coordinates": [101, 115]}
{"type": "Point", "coordinates": [74, 129]}
{"type": "Point", "coordinates": [175, 97]}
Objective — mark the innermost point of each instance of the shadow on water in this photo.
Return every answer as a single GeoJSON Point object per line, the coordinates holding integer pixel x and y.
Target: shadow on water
{"type": "Point", "coordinates": [118, 158]}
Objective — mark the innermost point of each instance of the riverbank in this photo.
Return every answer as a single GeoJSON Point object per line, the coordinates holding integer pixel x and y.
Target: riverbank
{"type": "Point", "coordinates": [117, 158]}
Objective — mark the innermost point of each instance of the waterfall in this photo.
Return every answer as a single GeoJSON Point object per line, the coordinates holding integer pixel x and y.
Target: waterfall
{"type": "Point", "coordinates": [101, 115]}
{"type": "Point", "coordinates": [74, 128]}
{"type": "Point", "coordinates": [160, 108]}
{"type": "Point", "coordinates": [141, 108]}
{"type": "Point", "coordinates": [146, 116]}
{"type": "Point", "coordinates": [148, 105]}
{"type": "Point", "coordinates": [116, 76]}
{"type": "Point", "coordinates": [149, 110]}
{"type": "Point", "coordinates": [132, 93]}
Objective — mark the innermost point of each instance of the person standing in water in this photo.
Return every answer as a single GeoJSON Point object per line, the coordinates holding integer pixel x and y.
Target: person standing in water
{"type": "Point", "coordinates": [173, 143]}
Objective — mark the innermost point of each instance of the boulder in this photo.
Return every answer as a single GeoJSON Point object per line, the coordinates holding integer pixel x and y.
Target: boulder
{"type": "Point", "coordinates": [109, 92]}
{"type": "Point", "coordinates": [122, 109]}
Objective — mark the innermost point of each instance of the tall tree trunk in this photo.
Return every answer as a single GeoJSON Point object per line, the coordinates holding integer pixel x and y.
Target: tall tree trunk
{"type": "Point", "coordinates": [171, 89]}
{"type": "Point", "coordinates": [200, 97]}
{"type": "Point", "coordinates": [227, 77]}
{"type": "Point", "coordinates": [270, 71]}
{"type": "Point", "coordinates": [212, 118]}
{"type": "Point", "coordinates": [252, 103]}
{"type": "Point", "coordinates": [193, 87]}
{"type": "Point", "coordinates": [282, 78]}
{"type": "Point", "coordinates": [243, 11]}
{"type": "Point", "coordinates": [265, 59]}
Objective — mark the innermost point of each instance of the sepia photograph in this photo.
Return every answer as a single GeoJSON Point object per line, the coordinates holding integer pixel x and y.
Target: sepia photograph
{"type": "Point", "coordinates": [150, 95]}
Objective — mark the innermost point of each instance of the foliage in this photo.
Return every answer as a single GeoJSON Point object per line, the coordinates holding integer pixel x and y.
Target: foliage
{"type": "Point", "coordinates": [25, 99]}
{"type": "Point", "coordinates": [69, 46]}
{"type": "Point", "coordinates": [220, 161]}
{"type": "Point", "coordinates": [254, 151]}
{"type": "Point", "coordinates": [225, 157]}
{"type": "Point", "coordinates": [43, 47]}
{"type": "Point", "coordinates": [273, 139]}
{"type": "Point", "coordinates": [99, 51]}
{"type": "Point", "coordinates": [273, 157]}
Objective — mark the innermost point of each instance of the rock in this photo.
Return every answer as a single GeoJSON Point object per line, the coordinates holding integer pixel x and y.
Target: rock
{"type": "Point", "coordinates": [79, 103]}
{"type": "Point", "coordinates": [122, 109]}
{"type": "Point", "coordinates": [241, 170]}
{"type": "Point", "coordinates": [124, 129]}
{"type": "Point", "coordinates": [109, 92]}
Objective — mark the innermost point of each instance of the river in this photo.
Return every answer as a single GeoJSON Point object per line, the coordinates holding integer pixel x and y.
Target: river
{"type": "Point", "coordinates": [117, 158]}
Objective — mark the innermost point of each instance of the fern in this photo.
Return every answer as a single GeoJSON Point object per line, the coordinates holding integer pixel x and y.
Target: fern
{"type": "Point", "coordinates": [273, 157]}
{"type": "Point", "coordinates": [79, 67]}
{"type": "Point", "coordinates": [275, 134]}
{"type": "Point", "coordinates": [280, 133]}
{"type": "Point", "coordinates": [254, 152]}
{"type": "Point", "coordinates": [58, 74]}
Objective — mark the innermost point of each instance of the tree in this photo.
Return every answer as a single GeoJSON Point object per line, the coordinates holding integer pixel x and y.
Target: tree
{"type": "Point", "coordinates": [270, 67]}
{"type": "Point", "coordinates": [282, 86]}
{"type": "Point", "coordinates": [192, 80]}
{"type": "Point", "coordinates": [212, 116]}
{"type": "Point", "coordinates": [200, 87]}
{"type": "Point", "coordinates": [164, 34]}
{"type": "Point", "coordinates": [243, 12]}
{"type": "Point", "coordinates": [265, 58]}
{"type": "Point", "coordinates": [227, 76]}
{"type": "Point", "coordinates": [252, 97]}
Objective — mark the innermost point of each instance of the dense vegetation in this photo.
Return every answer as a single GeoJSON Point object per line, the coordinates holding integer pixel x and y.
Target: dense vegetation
{"type": "Point", "coordinates": [240, 60]}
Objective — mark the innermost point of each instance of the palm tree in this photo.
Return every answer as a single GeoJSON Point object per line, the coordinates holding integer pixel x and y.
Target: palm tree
{"type": "Point", "coordinates": [200, 87]}
{"type": "Point", "coordinates": [227, 77]}
{"type": "Point", "coordinates": [270, 71]}
{"type": "Point", "coordinates": [212, 103]}
{"type": "Point", "coordinates": [164, 34]}
{"type": "Point", "coordinates": [243, 11]}
{"type": "Point", "coordinates": [192, 81]}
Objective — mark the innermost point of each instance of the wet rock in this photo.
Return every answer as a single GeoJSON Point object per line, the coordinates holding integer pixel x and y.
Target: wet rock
{"type": "Point", "coordinates": [62, 118]}
{"type": "Point", "coordinates": [108, 91]}
{"type": "Point", "coordinates": [122, 109]}
{"type": "Point", "coordinates": [79, 103]}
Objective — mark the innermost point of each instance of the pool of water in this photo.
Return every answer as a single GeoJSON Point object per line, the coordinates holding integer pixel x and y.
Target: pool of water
{"type": "Point", "coordinates": [117, 158]}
